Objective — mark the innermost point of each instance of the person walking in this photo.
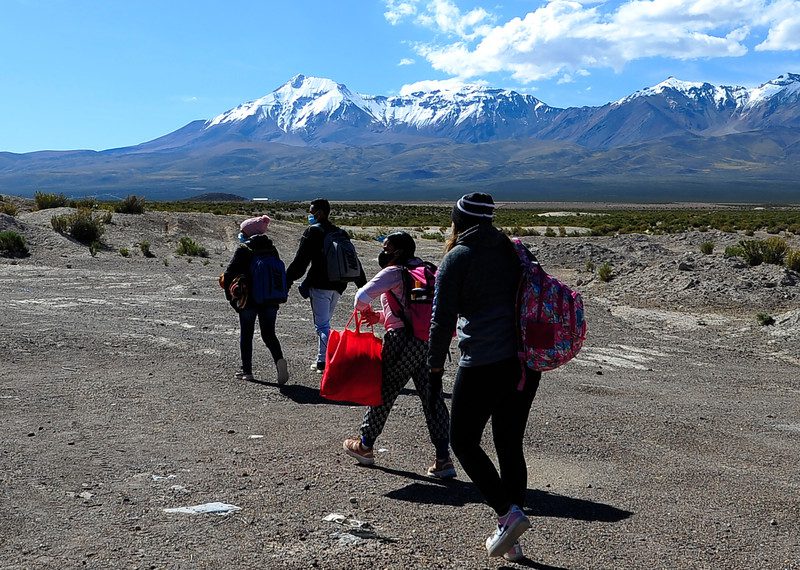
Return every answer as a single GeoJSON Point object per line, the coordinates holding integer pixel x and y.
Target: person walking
{"type": "Point", "coordinates": [403, 356]}
{"type": "Point", "coordinates": [476, 288]}
{"type": "Point", "coordinates": [323, 292]}
{"type": "Point", "coordinates": [255, 243]}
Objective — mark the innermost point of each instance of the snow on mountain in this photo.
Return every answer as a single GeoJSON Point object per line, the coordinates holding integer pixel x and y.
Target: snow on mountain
{"type": "Point", "coordinates": [784, 85]}
{"type": "Point", "coordinates": [720, 95]}
{"type": "Point", "coordinates": [304, 101]}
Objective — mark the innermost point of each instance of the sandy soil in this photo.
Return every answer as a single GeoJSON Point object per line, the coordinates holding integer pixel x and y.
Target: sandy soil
{"type": "Point", "coordinates": [672, 441]}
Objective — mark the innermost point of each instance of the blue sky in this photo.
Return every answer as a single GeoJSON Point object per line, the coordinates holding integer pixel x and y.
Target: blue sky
{"type": "Point", "coordinates": [100, 74]}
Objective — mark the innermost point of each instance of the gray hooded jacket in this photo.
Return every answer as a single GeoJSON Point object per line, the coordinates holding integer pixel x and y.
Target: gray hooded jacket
{"type": "Point", "coordinates": [476, 288]}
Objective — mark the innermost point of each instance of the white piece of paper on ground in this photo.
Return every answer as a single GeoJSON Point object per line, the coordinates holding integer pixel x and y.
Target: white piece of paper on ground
{"type": "Point", "coordinates": [206, 508]}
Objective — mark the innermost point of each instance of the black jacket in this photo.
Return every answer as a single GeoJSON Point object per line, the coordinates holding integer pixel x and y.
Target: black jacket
{"type": "Point", "coordinates": [240, 264]}
{"type": "Point", "coordinates": [310, 252]}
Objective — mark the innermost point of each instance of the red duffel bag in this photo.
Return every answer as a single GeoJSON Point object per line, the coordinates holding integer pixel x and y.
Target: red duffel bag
{"type": "Point", "coordinates": [353, 366]}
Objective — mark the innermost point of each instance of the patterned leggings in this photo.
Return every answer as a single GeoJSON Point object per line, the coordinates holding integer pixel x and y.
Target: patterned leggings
{"type": "Point", "coordinates": [403, 357]}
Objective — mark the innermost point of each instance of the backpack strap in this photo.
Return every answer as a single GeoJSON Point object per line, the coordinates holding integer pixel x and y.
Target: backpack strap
{"type": "Point", "coordinates": [405, 276]}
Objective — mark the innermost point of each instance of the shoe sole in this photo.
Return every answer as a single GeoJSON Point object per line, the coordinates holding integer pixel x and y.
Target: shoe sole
{"type": "Point", "coordinates": [283, 372]}
{"type": "Point", "coordinates": [511, 536]}
{"type": "Point", "coordinates": [361, 459]}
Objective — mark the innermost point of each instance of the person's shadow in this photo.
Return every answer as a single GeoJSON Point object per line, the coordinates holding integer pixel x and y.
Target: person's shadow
{"type": "Point", "coordinates": [307, 395]}
{"type": "Point", "coordinates": [429, 491]}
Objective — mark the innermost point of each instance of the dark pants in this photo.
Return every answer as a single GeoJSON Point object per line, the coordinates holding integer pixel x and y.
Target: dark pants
{"type": "Point", "coordinates": [403, 357]}
{"type": "Point", "coordinates": [481, 393]}
{"type": "Point", "coordinates": [266, 321]}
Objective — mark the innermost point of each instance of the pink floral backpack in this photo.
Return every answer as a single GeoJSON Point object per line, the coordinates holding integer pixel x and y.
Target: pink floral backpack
{"type": "Point", "coordinates": [552, 326]}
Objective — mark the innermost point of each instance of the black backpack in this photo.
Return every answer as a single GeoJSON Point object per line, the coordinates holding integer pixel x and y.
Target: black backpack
{"type": "Point", "coordinates": [340, 255]}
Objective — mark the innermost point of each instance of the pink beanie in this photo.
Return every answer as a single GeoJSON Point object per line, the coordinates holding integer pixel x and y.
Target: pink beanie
{"type": "Point", "coordinates": [255, 226]}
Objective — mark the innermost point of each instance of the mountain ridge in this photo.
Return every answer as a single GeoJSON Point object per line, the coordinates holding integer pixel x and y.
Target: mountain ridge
{"type": "Point", "coordinates": [313, 135]}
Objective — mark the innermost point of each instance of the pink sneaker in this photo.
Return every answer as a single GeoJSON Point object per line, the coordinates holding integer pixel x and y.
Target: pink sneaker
{"type": "Point", "coordinates": [509, 528]}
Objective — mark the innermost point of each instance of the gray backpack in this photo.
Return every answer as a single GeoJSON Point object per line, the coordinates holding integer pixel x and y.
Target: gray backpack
{"type": "Point", "coordinates": [340, 255]}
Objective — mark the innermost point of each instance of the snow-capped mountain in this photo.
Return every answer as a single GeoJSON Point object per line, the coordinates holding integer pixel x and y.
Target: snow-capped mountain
{"type": "Point", "coordinates": [304, 106]}
{"type": "Point", "coordinates": [316, 111]}
{"type": "Point", "coordinates": [674, 140]}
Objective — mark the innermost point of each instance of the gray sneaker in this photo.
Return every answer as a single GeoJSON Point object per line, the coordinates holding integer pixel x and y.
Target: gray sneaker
{"type": "Point", "coordinates": [318, 367]}
{"type": "Point", "coordinates": [509, 528]}
{"type": "Point", "coordinates": [283, 371]}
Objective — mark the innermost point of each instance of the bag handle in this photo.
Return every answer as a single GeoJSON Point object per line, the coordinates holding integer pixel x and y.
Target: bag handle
{"type": "Point", "coordinates": [359, 320]}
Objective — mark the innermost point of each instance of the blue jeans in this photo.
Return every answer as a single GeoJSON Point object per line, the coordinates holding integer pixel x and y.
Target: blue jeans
{"type": "Point", "coordinates": [266, 321]}
{"type": "Point", "coordinates": [323, 303]}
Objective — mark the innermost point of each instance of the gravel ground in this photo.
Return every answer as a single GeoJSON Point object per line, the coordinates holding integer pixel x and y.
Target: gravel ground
{"type": "Point", "coordinates": [672, 441]}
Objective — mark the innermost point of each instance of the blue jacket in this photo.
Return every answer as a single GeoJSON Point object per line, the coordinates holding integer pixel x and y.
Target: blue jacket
{"type": "Point", "coordinates": [476, 287]}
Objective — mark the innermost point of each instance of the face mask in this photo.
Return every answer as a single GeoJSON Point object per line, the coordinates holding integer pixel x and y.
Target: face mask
{"type": "Point", "coordinates": [242, 237]}
{"type": "Point", "coordinates": [384, 258]}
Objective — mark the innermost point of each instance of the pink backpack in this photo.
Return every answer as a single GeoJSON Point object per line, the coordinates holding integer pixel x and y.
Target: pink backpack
{"type": "Point", "coordinates": [552, 326]}
{"type": "Point", "coordinates": [418, 282]}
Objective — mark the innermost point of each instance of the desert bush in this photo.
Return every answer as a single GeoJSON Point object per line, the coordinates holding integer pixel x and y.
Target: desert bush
{"type": "Point", "coordinates": [707, 247]}
{"type": "Point", "coordinates": [106, 216]}
{"type": "Point", "coordinates": [792, 260]}
{"type": "Point", "coordinates": [94, 248]}
{"type": "Point", "coordinates": [774, 250]}
{"type": "Point", "coordinates": [765, 319]}
{"type": "Point", "coordinates": [124, 252]}
{"type": "Point", "coordinates": [590, 266]}
{"type": "Point", "coordinates": [188, 246]}
{"type": "Point", "coordinates": [751, 251]}
{"type": "Point", "coordinates": [130, 205]}
{"type": "Point", "coordinates": [549, 232]}
{"type": "Point", "coordinates": [605, 272]}
{"type": "Point", "coordinates": [81, 225]}
{"type": "Point", "coordinates": [88, 203]}
{"type": "Point", "coordinates": [145, 247]}
{"type": "Point", "coordinates": [436, 236]}
{"type": "Point", "coordinates": [45, 201]}
{"type": "Point", "coordinates": [749, 233]}
{"type": "Point", "coordinates": [562, 231]}
{"type": "Point", "coordinates": [12, 245]}
{"type": "Point", "coordinates": [733, 251]}
{"type": "Point", "coordinates": [8, 208]}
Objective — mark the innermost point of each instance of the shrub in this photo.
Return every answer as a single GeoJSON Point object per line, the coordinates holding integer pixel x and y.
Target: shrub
{"type": "Point", "coordinates": [605, 272]}
{"type": "Point", "coordinates": [8, 208]}
{"type": "Point", "coordinates": [130, 205]}
{"type": "Point", "coordinates": [45, 201]}
{"type": "Point", "coordinates": [124, 252]}
{"type": "Point", "coordinates": [88, 203]}
{"type": "Point", "coordinates": [774, 250]}
{"type": "Point", "coordinates": [707, 247]}
{"type": "Point", "coordinates": [733, 251]}
{"type": "Point", "coordinates": [12, 245]}
{"type": "Point", "coordinates": [792, 260]}
{"type": "Point", "coordinates": [81, 225]}
{"type": "Point", "coordinates": [188, 246]}
{"type": "Point", "coordinates": [764, 319]}
{"type": "Point", "coordinates": [145, 247]}
{"type": "Point", "coordinates": [562, 231]}
{"type": "Point", "coordinates": [549, 232]}
{"type": "Point", "coordinates": [106, 216]}
{"type": "Point", "coordinates": [437, 236]}
{"type": "Point", "coordinates": [751, 251]}
{"type": "Point", "coordinates": [94, 247]}
{"type": "Point", "coordinates": [590, 266]}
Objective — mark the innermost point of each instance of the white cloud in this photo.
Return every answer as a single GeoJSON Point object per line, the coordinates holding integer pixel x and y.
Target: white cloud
{"type": "Point", "coordinates": [406, 61]}
{"type": "Point", "coordinates": [399, 10]}
{"type": "Point", "coordinates": [563, 38]}
{"type": "Point", "coordinates": [436, 85]}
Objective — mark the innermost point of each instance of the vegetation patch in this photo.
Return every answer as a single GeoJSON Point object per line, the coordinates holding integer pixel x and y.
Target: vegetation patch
{"type": "Point", "coordinates": [188, 246]}
{"type": "Point", "coordinates": [12, 244]}
{"type": "Point", "coordinates": [46, 201]}
{"type": "Point", "coordinates": [82, 225]}
{"type": "Point", "coordinates": [130, 205]}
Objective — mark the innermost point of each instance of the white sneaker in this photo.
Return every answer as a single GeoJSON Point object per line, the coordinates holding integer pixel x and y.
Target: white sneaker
{"type": "Point", "coordinates": [248, 377]}
{"type": "Point", "coordinates": [515, 554]}
{"type": "Point", "coordinates": [283, 371]}
{"type": "Point", "coordinates": [509, 528]}
{"type": "Point", "coordinates": [239, 374]}
{"type": "Point", "coordinates": [318, 367]}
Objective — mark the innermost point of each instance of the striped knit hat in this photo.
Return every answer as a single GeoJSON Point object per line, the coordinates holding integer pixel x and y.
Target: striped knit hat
{"type": "Point", "coordinates": [471, 209]}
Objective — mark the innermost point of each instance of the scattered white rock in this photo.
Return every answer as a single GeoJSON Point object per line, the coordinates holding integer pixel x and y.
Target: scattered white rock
{"type": "Point", "coordinates": [215, 508]}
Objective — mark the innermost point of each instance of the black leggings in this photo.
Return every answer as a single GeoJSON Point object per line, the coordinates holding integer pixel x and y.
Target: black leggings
{"type": "Point", "coordinates": [266, 321]}
{"type": "Point", "coordinates": [490, 391]}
